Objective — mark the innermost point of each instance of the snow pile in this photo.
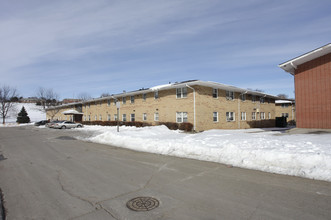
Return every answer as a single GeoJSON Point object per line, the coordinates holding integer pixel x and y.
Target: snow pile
{"type": "Point", "coordinates": [35, 113]}
{"type": "Point", "coordinates": [299, 155]}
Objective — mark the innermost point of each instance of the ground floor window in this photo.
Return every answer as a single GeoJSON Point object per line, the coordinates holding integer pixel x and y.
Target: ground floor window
{"type": "Point", "coordinates": [100, 117]}
{"type": "Point", "coordinates": [124, 117]}
{"type": "Point", "coordinates": [253, 115]}
{"type": "Point", "coordinates": [156, 116]}
{"type": "Point", "coordinates": [215, 116]}
{"type": "Point", "coordinates": [89, 117]}
{"type": "Point", "coordinates": [132, 117]}
{"type": "Point", "coordinates": [230, 116]}
{"type": "Point", "coordinates": [243, 116]}
{"type": "Point", "coordinates": [115, 117]}
{"type": "Point", "coordinates": [269, 115]}
{"type": "Point", "coordinates": [84, 117]}
{"type": "Point", "coordinates": [109, 117]}
{"type": "Point", "coordinates": [285, 115]}
{"type": "Point", "coordinates": [181, 117]}
{"type": "Point", "coordinates": [262, 115]}
{"type": "Point", "coordinates": [144, 117]}
{"type": "Point", "coordinates": [95, 117]}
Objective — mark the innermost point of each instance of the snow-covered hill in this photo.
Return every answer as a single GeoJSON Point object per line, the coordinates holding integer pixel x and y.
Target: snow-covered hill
{"type": "Point", "coordinates": [35, 112]}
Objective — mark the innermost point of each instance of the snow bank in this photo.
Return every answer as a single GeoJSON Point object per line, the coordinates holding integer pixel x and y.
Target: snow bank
{"type": "Point", "coordinates": [298, 155]}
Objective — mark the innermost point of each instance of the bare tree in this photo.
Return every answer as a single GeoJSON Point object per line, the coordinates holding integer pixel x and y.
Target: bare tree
{"type": "Point", "coordinates": [282, 96]}
{"type": "Point", "coordinates": [84, 96]}
{"type": "Point", "coordinates": [105, 94]}
{"type": "Point", "coordinates": [6, 96]}
{"type": "Point", "coordinates": [51, 112]}
{"type": "Point", "coordinates": [47, 97]}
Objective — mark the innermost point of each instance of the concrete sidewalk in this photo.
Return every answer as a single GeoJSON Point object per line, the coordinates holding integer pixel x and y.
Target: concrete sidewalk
{"type": "Point", "coordinates": [50, 175]}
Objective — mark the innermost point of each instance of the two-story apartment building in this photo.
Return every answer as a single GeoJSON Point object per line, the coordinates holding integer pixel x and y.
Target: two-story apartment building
{"type": "Point", "coordinates": [207, 105]}
{"type": "Point", "coordinates": [286, 108]}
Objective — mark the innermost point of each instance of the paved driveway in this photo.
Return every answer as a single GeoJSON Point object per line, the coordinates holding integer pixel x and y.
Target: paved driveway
{"type": "Point", "coordinates": [50, 175]}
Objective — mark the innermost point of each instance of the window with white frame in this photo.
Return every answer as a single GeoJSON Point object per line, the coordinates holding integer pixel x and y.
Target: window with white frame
{"type": "Point", "coordinates": [253, 115]}
{"type": "Point", "coordinates": [181, 117]}
{"type": "Point", "coordinates": [108, 102]}
{"type": "Point", "coordinates": [269, 115]}
{"type": "Point", "coordinates": [243, 97]}
{"type": "Point", "coordinates": [215, 93]}
{"type": "Point", "coordinates": [262, 115]}
{"type": "Point", "coordinates": [243, 116]}
{"type": "Point", "coordinates": [124, 117]}
{"type": "Point", "coordinates": [95, 117]}
{"type": "Point", "coordinates": [229, 95]}
{"type": "Point", "coordinates": [285, 115]}
{"type": "Point", "coordinates": [156, 94]}
{"type": "Point", "coordinates": [133, 117]}
{"type": "Point", "coordinates": [115, 100]}
{"type": "Point", "coordinates": [284, 105]}
{"type": "Point", "coordinates": [156, 116]}
{"type": "Point", "coordinates": [230, 116]}
{"type": "Point", "coordinates": [181, 92]}
{"type": "Point", "coordinates": [132, 99]}
{"type": "Point", "coordinates": [262, 100]}
{"type": "Point", "coordinates": [89, 117]}
{"type": "Point", "coordinates": [215, 116]}
{"type": "Point", "coordinates": [108, 117]}
{"type": "Point", "coordinates": [144, 116]}
{"type": "Point", "coordinates": [100, 117]}
{"type": "Point", "coordinates": [84, 118]}
{"type": "Point", "coordinates": [124, 100]}
{"type": "Point", "coordinates": [115, 117]}
{"type": "Point", "coordinates": [144, 96]}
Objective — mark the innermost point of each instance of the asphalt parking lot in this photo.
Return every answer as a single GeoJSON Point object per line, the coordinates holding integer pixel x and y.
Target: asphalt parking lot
{"type": "Point", "coordinates": [48, 174]}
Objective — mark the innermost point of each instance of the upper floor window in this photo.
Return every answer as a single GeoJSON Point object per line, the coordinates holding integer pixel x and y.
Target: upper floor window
{"type": "Point", "coordinates": [156, 94]}
{"type": "Point", "coordinates": [243, 97]}
{"type": "Point", "coordinates": [262, 100]}
{"type": "Point", "coordinates": [215, 93]}
{"type": "Point", "coordinates": [229, 95]}
{"type": "Point", "coordinates": [144, 96]}
{"type": "Point", "coordinates": [124, 100]}
{"type": "Point", "coordinates": [181, 92]}
{"type": "Point", "coordinates": [181, 117]}
{"type": "Point", "coordinates": [108, 102]}
{"type": "Point", "coordinates": [253, 98]}
{"type": "Point", "coordinates": [284, 105]}
{"type": "Point", "coordinates": [132, 99]}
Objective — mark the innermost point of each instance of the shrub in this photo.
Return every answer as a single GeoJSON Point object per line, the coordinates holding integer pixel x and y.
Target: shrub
{"type": "Point", "coordinates": [185, 126]}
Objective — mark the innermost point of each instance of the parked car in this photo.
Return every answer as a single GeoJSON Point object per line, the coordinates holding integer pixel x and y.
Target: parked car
{"type": "Point", "coordinates": [51, 124]}
{"type": "Point", "coordinates": [67, 124]}
{"type": "Point", "coordinates": [42, 122]}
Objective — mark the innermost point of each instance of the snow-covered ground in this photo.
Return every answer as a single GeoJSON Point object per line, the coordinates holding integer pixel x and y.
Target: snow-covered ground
{"type": "Point", "coordinates": [304, 155]}
{"type": "Point", "coordinates": [35, 113]}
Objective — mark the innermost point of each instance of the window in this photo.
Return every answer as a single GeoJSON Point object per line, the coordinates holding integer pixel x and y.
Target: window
{"type": "Point", "coordinates": [181, 117]}
{"type": "Point", "coordinates": [215, 93]}
{"type": "Point", "coordinates": [285, 115]}
{"type": "Point", "coordinates": [108, 102]}
{"type": "Point", "coordinates": [115, 100]}
{"type": "Point", "coordinates": [262, 100]}
{"type": "Point", "coordinates": [229, 95]}
{"type": "Point", "coordinates": [95, 118]}
{"type": "Point", "coordinates": [89, 105]}
{"type": "Point", "coordinates": [100, 117]}
{"type": "Point", "coordinates": [243, 116]}
{"type": "Point", "coordinates": [243, 97]}
{"type": "Point", "coordinates": [124, 100]}
{"type": "Point", "coordinates": [284, 105]}
{"type": "Point", "coordinates": [269, 115]}
{"type": "Point", "coordinates": [230, 116]}
{"type": "Point", "coordinates": [108, 117]}
{"type": "Point", "coordinates": [215, 116]}
{"type": "Point", "coordinates": [132, 99]}
{"type": "Point", "coordinates": [156, 94]}
{"type": "Point", "coordinates": [156, 116]}
{"type": "Point", "coordinates": [262, 115]}
{"type": "Point", "coordinates": [181, 93]}
{"type": "Point", "coordinates": [144, 117]}
{"type": "Point", "coordinates": [253, 115]}
{"type": "Point", "coordinates": [132, 117]}
{"type": "Point", "coordinates": [84, 118]}
{"type": "Point", "coordinates": [115, 117]}
{"type": "Point", "coordinates": [100, 103]}
{"type": "Point", "coordinates": [144, 96]}
{"type": "Point", "coordinates": [89, 117]}
{"type": "Point", "coordinates": [124, 117]}
{"type": "Point", "coordinates": [253, 98]}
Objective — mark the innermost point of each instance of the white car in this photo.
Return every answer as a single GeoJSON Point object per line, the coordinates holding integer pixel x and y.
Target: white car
{"type": "Point", "coordinates": [66, 124]}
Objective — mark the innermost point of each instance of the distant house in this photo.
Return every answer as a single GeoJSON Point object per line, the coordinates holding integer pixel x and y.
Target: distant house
{"type": "Point", "coordinates": [67, 101]}
{"type": "Point", "coordinates": [206, 105]}
{"type": "Point", "coordinates": [286, 108]}
{"type": "Point", "coordinates": [312, 78]}
{"type": "Point", "coordinates": [30, 100]}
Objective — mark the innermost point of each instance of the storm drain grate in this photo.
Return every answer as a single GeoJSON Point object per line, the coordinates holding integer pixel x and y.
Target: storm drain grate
{"type": "Point", "coordinates": [142, 204]}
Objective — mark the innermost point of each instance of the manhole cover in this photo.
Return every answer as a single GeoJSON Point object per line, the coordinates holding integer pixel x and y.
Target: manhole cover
{"type": "Point", "coordinates": [142, 204]}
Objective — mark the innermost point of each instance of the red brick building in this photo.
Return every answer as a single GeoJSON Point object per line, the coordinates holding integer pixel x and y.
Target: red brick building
{"type": "Point", "coordinates": [312, 79]}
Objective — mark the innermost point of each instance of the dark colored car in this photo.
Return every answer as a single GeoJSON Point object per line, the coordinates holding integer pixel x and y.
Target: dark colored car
{"type": "Point", "coordinates": [42, 122]}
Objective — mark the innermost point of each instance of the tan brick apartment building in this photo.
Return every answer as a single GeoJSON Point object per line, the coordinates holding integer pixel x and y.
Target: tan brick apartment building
{"type": "Point", "coordinates": [207, 105]}
{"type": "Point", "coordinates": [312, 79]}
{"type": "Point", "coordinates": [286, 108]}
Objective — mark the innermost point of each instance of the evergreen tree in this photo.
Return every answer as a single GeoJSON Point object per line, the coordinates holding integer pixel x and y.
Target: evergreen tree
{"type": "Point", "coordinates": [23, 116]}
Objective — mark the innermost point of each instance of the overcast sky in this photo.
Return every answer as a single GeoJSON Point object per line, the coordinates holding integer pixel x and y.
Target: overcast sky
{"type": "Point", "coordinates": [107, 46]}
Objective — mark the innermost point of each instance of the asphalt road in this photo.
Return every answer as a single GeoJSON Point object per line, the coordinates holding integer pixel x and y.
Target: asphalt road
{"type": "Point", "coordinates": [50, 175]}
